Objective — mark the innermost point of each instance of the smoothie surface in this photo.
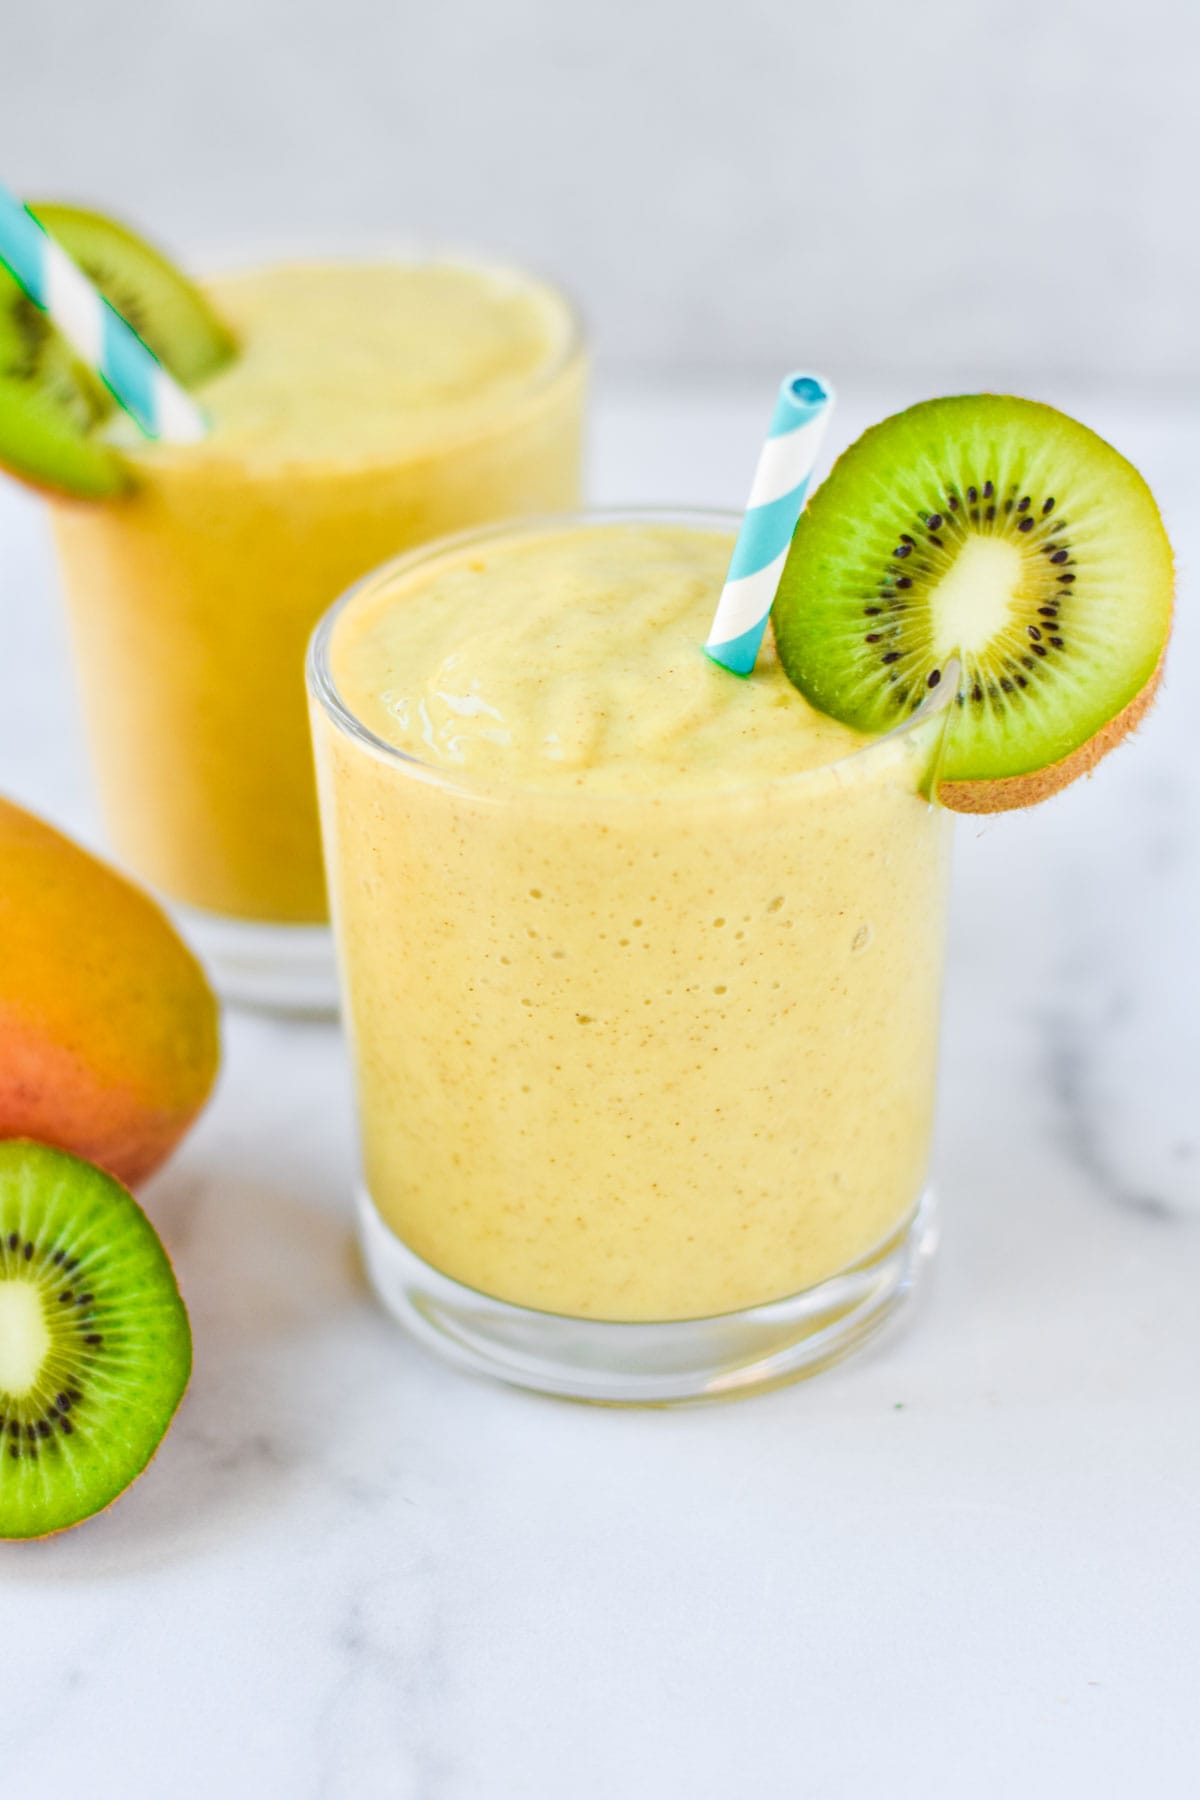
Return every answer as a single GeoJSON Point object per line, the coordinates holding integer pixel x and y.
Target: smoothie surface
{"type": "Point", "coordinates": [572, 658]}
{"type": "Point", "coordinates": [350, 361]}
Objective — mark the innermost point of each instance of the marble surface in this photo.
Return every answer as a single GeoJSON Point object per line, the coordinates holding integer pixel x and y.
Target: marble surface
{"type": "Point", "coordinates": [965, 1563]}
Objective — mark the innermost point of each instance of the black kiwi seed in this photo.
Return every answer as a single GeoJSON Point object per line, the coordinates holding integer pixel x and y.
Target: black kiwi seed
{"type": "Point", "coordinates": [972, 495]}
{"type": "Point", "coordinates": [904, 582]}
{"type": "Point", "coordinates": [934, 522]}
{"type": "Point", "coordinates": [952, 502]}
{"type": "Point", "coordinates": [891, 656]}
{"type": "Point", "coordinates": [1025, 525]}
{"type": "Point", "coordinates": [14, 1242]}
{"type": "Point", "coordinates": [977, 692]}
{"type": "Point", "coordinates": [934, 676]}
{"type": "Point", "coordinates": [1023, 503]}
{"type": "Point", "coordinates": [1060, 556]}
{"type": "Point", "coordinates": [988, 490]}
{"type": "Point", "coordinates": [902, 550]}
{"type": "Point", "coordinates": [1058, 643]}
{"type": "Point", "coordinates": [1033, 631]}
{"type": "Point", "coordinates": [1047, 506]}
{"type": "Point", "coordinates": [1066, 579]}
{"type": "Point", "coordinates": [28, 1253]}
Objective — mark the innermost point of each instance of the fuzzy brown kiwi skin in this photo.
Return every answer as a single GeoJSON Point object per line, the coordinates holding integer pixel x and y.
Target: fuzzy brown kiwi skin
{"type": "Point", "coordinates": [1007, 793]}
{"type": "Point", "coordinates": [43, 1537]}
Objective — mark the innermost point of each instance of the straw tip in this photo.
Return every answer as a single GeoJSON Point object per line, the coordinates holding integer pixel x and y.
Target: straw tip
{"type": "Point", "coordinates": [806, 390]}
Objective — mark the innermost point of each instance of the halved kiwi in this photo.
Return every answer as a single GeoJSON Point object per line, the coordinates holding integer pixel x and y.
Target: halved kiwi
{"type": "Point", "coordinates": [1000, 535]}
{"type": "Point", "coordinates": [95, 1347]}
{"type": "Point", "coordinates": [50, 404]}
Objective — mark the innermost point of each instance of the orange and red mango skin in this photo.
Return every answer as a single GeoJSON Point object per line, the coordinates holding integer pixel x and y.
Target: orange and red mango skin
{"type": "Point", "coordinates": [109, 1034]}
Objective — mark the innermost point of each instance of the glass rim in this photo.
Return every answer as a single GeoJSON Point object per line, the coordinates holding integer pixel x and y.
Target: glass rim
{"type": "Point", "coordinates": [324, 690]}
{"type": "Point", "coordinates": [573, 350]}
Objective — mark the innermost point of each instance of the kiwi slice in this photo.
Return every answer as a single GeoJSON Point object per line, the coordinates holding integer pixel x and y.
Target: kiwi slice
{"type": "Point", "coordinates": [168, 312]}
{"type": "Point", "coordinates": [998, 538]}
{"type": "Point", "coordinates": [50, 404]}
{"type": "Point", "coordinates": [95, 1347]}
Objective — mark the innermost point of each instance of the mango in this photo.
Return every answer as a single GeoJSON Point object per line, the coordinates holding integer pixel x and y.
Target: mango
{"type": "Point", "coordinates": [109, 1037]}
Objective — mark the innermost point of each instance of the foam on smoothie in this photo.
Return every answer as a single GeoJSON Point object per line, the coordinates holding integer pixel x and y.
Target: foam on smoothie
{"type": "Point", "coordinates": [573, 658]}
{"type": "Point", "coordinates": [339, 365]}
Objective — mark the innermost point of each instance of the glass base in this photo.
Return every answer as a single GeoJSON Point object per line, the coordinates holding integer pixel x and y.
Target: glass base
{"type": "Point", "coordinates": [629, 1365]}
{"type": "Point", "coordinates": [271, 968]}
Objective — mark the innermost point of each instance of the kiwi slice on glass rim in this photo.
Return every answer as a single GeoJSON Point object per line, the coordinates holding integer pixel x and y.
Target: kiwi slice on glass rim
{"type": "Point", "coordinates": [996, 539]}
{"type": "Point", "coordinates": [95, 1346]}
{"type": "Point", "coordinates": [51, 406]}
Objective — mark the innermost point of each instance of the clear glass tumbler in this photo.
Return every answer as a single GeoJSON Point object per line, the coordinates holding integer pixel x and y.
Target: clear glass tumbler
{"type": "Point", "coordinates": [645, 1082]}
{"type": "Point", "coordinates": [192, 598]}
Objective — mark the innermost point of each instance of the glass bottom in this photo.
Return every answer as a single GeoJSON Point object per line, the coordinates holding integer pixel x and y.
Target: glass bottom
{"type": "Point", "coordinates": [271, 968]}
{"type": "Point", "coordinates": [631, 1365]}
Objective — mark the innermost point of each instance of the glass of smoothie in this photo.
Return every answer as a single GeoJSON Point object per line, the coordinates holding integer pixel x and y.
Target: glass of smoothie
{"type": "Point", "coordinates": [642, 959]}
{"type": "Point", "coordinates": [369, 407]}
{"type": "Point", "coordinates": [641, 966]}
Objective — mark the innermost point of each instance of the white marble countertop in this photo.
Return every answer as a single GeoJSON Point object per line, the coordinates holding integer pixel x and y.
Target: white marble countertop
{"type": "Point", "coordinates": [965, 1563]}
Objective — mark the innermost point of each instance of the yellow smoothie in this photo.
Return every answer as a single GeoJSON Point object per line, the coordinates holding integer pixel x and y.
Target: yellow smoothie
{"type": "Point", "coordinates": [641, 961]}
{"type": "Point", "coordinates": [371, 407]}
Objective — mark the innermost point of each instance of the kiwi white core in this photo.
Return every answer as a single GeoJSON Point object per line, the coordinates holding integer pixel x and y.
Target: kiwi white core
{"type": "Point", "coordinates": [974, 600]}
{"type": "Point", "coordinates": [24, 1337]}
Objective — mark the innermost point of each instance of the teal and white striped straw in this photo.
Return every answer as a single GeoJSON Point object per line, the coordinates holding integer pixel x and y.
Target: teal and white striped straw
{"type": "Point", "coordinates": [785, 468]}
{"type": "Point", "coordinates": [96, 331]}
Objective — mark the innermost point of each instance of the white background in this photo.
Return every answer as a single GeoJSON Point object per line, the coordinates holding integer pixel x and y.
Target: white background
{"type": "Point", "coordinates": [973, 192]}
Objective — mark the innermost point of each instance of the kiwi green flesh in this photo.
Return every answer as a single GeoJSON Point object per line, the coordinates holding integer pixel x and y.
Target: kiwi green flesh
{"type": "Point", "coordinates": [998, 533]}
{"type": "Point", "coordinates": [95, 1347]}
{"type": "Point", "coordinates": [50, 406]}
{"type": "Point", "coordinates": [168, 312]}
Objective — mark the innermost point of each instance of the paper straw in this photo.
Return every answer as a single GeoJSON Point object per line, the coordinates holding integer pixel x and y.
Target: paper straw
{"type": "Point", "coordinates": [781, 481]}
{"type": "Point", "coordinates": [97, 332]}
